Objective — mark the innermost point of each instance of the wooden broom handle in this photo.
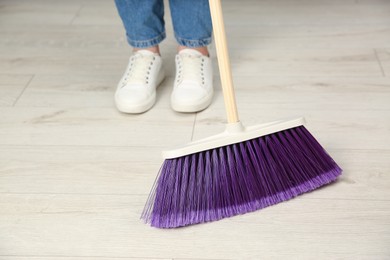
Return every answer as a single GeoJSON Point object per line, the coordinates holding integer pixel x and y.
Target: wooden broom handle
{"type": "Point", "coordinates": [223, 60]}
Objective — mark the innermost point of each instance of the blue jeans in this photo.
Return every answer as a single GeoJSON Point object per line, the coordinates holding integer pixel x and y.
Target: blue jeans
{"type": "Point", "coordinates": [145, 26]}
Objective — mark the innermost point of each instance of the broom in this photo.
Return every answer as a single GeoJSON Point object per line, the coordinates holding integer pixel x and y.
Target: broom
{"type": "Point", "coordinates": [240, 170]}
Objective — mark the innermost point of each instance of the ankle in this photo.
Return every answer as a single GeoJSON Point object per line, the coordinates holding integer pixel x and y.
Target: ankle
{"type": "Point", "coordinates": [154, 49]}
{"type": "Point", "coordinates": [203, 50]}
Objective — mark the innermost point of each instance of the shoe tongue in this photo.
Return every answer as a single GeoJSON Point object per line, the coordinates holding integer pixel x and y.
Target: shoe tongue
{"type": "Point", "coordinates": [191, 52]}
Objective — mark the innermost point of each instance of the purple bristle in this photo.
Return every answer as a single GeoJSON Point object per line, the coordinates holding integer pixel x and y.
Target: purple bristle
{"type": "Point", "coordinates": [238, 178]}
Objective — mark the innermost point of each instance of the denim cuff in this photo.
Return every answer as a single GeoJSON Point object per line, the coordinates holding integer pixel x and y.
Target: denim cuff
{"type": "Point", "coordinates": [193, 43]}
{"type": "Point", "coordinates": [147, 43]}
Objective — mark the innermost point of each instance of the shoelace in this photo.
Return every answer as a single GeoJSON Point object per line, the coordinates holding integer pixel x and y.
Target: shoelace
{"type": "Point", "coordinates": [191, 68]}
{"type": "Point", "coordinates": [139, 69]}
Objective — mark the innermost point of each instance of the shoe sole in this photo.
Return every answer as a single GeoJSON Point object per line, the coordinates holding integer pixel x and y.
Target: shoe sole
{"type": "Point", "coordinates": [141, 108]}
{"type": "Point", "coordinates": [192, 108]}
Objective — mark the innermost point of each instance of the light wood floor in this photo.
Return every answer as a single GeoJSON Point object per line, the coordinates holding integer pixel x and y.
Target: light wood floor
{"type": "Point", "coordinates": [75, 173]}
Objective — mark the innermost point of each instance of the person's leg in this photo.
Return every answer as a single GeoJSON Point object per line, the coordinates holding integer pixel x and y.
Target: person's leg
{"type": "Point", "coordinates": [143, 21]}
{"type": "Point", "coordinates": [193, 87]}
{"type": "Point", "coordinates": [192, 24]}
{"type": "Point", "coordinates": [144, 24]}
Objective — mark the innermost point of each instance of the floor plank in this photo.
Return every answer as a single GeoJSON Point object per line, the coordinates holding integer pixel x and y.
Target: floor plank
{"type": "Point", "coordinates": [91, 14]}
{"type": "Point", "coordinates": [97, 91]}
{"type": "Point", "coordinates": [79, 258]}
{"type": "Point", "coordinates": [78, 170]}
{"type": "Point", "coordinates": [104, 225]}
{"type": "Point", "coordinates": [88, 90]}
{"type": "Point", "coordinates": [16, 12]}
{"type": "Point", "coordinates": [384, 59]}
{"type": "Point", "coordinates": [11, 87]}
{"type": "Point", "coordinates": [308, 12]}
{"type": "Point", "coordinates": [300, 37]}
{"type": "Point", "coordinates": [132, 170]}
{"type": "Point", "coordinates": [334, 127]}
{"type": "Point", "coordinates": [293, 37]}
{"type": "Point", "coordinates": [93, 126]}
{"type": "Point", "coordinates": [309, 62]}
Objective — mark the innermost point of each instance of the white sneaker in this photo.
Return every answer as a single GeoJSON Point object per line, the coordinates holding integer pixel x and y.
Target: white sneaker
{"type": "Point", "coordinates": [193, 87]}
{"type": "Point", "coordinates": [136, 91]}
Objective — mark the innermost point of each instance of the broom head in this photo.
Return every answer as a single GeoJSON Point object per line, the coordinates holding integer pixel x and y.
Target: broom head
{"type": "Point", "coordinates": [238, 171]}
